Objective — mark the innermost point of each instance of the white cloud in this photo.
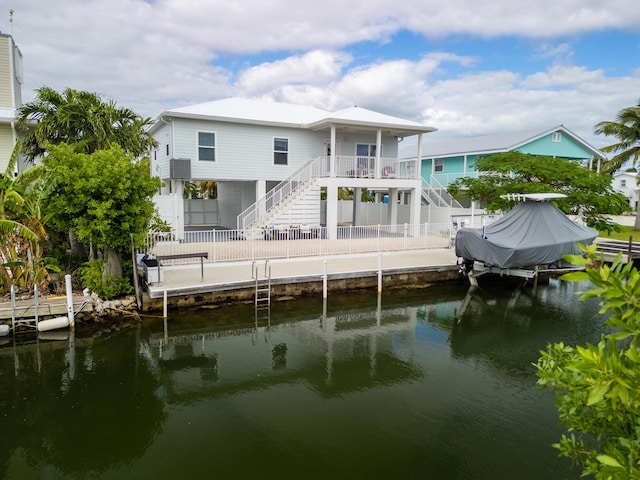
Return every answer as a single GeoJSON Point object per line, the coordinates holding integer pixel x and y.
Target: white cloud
{"type": "Point", "coordinates": [540, 19]}
{"type": "Point", "coordinates": [317, 67]}
{"type": "Point", "coordinates": [151, 56]}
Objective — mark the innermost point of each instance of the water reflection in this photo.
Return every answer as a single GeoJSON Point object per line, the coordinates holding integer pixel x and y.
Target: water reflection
{"type": "Point", "coordinates": [66, 404]}
{"type": "Point", "coordinates": [434, 383]}
{"type": "Point", "coordinates": [332, 354]}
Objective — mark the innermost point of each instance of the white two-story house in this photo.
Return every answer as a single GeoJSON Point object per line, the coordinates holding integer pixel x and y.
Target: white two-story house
{"type": "Point", "coordinates": [627, 184]}
{"type": "Point", "coordinates": [273, 161]}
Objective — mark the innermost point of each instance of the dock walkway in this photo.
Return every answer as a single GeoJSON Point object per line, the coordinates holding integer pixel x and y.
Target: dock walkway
{"type": "Point", "coordinates": [186, 279]}
{"type": "Point", "coordinates": [47, 306]}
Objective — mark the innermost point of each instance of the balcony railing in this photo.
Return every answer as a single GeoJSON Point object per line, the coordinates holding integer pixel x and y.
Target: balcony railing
{"type": "Point", "coordinates": [365, 167]}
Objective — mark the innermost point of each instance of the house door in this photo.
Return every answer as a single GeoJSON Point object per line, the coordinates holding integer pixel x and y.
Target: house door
{"type": "Point", "coordinates": [366, 159]}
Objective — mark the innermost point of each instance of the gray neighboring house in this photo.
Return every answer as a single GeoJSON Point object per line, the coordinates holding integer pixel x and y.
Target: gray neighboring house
{"type": "Point", "coordinates": [272, 161]}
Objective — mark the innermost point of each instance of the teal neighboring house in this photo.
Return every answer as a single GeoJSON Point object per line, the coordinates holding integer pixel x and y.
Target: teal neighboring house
{"type": "Point", "coordinates": [444, 162]}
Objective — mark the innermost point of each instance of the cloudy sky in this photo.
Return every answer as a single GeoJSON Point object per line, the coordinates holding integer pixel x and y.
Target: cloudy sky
{"type": "Point", "coordinates": [463, 66]}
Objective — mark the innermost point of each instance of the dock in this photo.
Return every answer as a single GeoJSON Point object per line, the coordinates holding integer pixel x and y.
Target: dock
{"type": "Point", "coordinates": [51, 306]}
{"type": "Point", "coordinates": [611, 248]}
{"type": "Point", "coordinates": [190, 285]}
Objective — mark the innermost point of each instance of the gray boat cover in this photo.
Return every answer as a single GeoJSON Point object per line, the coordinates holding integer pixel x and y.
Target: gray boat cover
{"type": "Point", "coordinates": [532, 233]}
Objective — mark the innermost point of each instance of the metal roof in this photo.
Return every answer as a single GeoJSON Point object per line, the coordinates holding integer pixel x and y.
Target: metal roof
{"type": "Point", "coordinates": [487, 144]}
{"type": "Point", "coordinates": [254, 111]}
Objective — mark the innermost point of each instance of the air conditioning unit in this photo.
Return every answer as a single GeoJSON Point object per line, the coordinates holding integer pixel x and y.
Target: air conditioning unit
{"type": "Point", "coordinates": [180, 168]}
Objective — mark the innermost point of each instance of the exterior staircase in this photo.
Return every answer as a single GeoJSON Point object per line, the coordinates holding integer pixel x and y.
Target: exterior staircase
{"type": "Point", "coordinates": [289, 202]}
{"type": "Point", "coordinates": [437, 195]}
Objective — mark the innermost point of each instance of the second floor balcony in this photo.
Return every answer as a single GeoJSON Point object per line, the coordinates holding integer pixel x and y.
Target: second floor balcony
{"type": "Point", "coordinates": [369, 167]}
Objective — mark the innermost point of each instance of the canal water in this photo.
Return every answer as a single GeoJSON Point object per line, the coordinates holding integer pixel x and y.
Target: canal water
{"type": "Point", "coordinates": [430, 384]}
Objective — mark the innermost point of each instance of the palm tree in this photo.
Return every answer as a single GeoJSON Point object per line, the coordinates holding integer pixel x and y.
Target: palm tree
{"type": "Point", "coordinates": [626, 129]}
{"type": "Point", "coordinates": [82, 119]}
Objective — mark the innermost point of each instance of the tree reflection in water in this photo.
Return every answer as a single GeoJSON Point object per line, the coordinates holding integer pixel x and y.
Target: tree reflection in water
{"type": "Point", "coordinates": [433, 382]}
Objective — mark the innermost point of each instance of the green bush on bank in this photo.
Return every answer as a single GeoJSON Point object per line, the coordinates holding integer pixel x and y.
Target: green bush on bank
{"type": "Point", "coordinates": [597, 386]}
{"type": "Point", "coordinates": [91, 275]}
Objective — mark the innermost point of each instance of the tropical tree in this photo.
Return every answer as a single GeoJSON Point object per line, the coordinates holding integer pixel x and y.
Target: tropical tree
{"type": "Point", "coordinates": [80, 118]}
{"type": "Point", "coordinates": [626, 128]}
{"type": "Point", "coordinates": [597, 385]}
{"type": "Point", "coordinates": [105, 197]}
{"type": "Point", "coordinates": [588, 193]}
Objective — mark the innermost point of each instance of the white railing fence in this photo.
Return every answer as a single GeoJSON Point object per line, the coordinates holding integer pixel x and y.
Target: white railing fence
{"type": "Point", "coordinates": [301, 241]}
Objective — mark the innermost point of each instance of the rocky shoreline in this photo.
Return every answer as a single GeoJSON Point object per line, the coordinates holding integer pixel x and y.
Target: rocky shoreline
{"type": "Point", "coordinates": [105, 310]}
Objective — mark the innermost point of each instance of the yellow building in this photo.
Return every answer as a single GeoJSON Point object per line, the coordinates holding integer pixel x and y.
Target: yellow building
{"type": "Point", "coordinates": [10, 95]}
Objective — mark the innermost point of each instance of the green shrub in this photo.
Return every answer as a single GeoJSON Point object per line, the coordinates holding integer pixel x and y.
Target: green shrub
{"type": "Point", "coordinates": [92, 277]}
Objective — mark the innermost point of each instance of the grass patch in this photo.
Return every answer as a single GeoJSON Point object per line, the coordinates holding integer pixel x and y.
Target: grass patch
{"type": "Point", "coordinates": [624, 234]}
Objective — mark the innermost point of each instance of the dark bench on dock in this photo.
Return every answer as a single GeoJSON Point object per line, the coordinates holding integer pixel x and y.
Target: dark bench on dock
{"type": "Point", "coordinates": [630, 250]}
{"type": "Point", "coordinates": [179, 256]}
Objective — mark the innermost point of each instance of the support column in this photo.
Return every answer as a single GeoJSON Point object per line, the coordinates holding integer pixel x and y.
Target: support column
{"type": "Point", "coordinates": [378, 168]}
{"type": "Point", "coordinates": [415, 201]}
{"type": "Point", "coordinates": [392, 213]}
{"type": "Point", "coordinates": [332, 210]}
{"type": "Point", "coordinates": [261, 191]}
{"type": "Point", "coordinates": [332, 158]}
{"type": "Point", "coordinates": [178, 208]}
{"type": "Point", "coordinates": [357, 206]}
{"type": "Point", "coordinates": [419, 158]}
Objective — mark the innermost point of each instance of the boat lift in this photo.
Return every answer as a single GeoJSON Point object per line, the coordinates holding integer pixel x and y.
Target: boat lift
{"type": "Point", "coordinates": [35, 323]}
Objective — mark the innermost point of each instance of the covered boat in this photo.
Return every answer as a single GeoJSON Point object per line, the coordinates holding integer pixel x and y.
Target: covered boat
{"type": "Point", "coordinates": [534, 232]}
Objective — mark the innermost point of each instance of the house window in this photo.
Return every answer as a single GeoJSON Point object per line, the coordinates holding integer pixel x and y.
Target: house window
{"type": "Point", "coordinates": [556, 137]}
{"type": "Point", "coordinates": [365, 150]}
{"type": "Point", "coordinates": [206, 146]}
{"type": "Point", "coordinates": [366, 155]}
{"type": "Point", "coordinates": [623, 183]}
{"type": "Point", "coordinates": [280, 151]}
{"type": "Point", "coordinates": [438, 165]}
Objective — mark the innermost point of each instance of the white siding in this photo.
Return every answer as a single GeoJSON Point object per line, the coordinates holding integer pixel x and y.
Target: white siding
{"type": "Point", "coordinates": [245, 152]}
{"type": "Point", "coordinates": [159, 157]}
{"type": "Point", "coordinates": [630, 187]}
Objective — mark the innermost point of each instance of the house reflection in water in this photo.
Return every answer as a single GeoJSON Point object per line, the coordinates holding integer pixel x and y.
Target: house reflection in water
{"type": "Point", "coordinates": [331, 355]}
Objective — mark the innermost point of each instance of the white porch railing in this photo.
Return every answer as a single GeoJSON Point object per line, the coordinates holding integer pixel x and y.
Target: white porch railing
{"type": "Point", "coordinates": [448, 178]}
{"type": "Point", "coordinates": [365, 167]}
{"type": "Point", "coordinates": [299, 241]}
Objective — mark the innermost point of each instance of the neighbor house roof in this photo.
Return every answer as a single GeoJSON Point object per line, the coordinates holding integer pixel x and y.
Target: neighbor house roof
{"type": "Point", "coordinates": [254, 111]}
{"type": "Point", "coordinates": [500, 142]}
